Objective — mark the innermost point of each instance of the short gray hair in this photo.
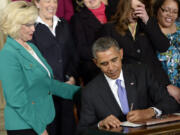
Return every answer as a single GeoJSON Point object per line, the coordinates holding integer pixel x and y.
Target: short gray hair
{"type": "Point", "coordinates": [104, 43]}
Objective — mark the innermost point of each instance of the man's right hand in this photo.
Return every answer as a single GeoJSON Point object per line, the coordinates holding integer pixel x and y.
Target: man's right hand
{"type": "Point", "coordinates": [110, 122]}
{"type": "Point", "coordinates": [140, 115]}
{"type": "Point", "coordinates": [45, 132]}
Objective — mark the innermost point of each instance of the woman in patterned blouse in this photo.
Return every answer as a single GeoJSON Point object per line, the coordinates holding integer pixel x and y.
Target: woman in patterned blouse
{"type": "Point", "coordinates": [167, 11]}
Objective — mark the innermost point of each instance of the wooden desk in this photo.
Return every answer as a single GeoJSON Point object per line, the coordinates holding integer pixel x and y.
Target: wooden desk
{"type": "Point", "coordinates": [172, 128]}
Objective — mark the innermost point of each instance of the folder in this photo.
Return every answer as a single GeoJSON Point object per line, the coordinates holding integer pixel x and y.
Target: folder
{"type": "Point", "coordinates": [160, 120]}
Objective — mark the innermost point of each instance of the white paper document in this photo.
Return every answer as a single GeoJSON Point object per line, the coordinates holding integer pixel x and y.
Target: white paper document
{"type": "Point", "coordinates": [177, 114]}
{"type": "Point", "coordinates": [130, 124]}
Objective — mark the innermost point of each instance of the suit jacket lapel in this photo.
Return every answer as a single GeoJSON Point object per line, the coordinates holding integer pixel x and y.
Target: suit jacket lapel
{"type": "Point", "coordinates": [45, 37]}
{"type": "Point", "coordinates": [60, 32]}
{"type": "Point", "coordinates": [108, 96]}
{"type": "Point", "coordinates": [30, 58]}
{"type": "Point", "coordinates": [130, 85]}
{"type": "Point", "coordinates": [42, 59]}
{"type": "Point", "coordinates": [88, 16]}
{"type": "Point", "coordinates": [25, 54]}
{"type": "Point", "coordinates": [20, 48]}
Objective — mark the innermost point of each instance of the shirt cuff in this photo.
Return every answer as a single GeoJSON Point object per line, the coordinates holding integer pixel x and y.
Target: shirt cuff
{"type": "Point", "coordinates": [98, 124]}
{"type": "Point", "coordinates": [157, 111]}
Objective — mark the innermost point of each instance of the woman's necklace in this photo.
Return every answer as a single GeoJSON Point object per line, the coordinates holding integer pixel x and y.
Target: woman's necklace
{"type": "Point", "coordinates": [132, 29]}
{"type": "Point", "coordinates": [27, 47]}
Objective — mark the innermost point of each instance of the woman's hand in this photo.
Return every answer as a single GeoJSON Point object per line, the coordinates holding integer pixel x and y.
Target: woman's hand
{"type": "Point", "coordinates": [71, 80]}
{"type": "Point", "coordinates": [45, 132]}
{"type": "Point", "coordinates": [140, 12]}
{"type": "Point", "coordinates": [174, 92]}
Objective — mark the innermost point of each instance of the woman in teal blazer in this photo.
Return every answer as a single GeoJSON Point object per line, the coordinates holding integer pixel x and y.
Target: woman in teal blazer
{"type": "Point", "coordinates": [27, 79]}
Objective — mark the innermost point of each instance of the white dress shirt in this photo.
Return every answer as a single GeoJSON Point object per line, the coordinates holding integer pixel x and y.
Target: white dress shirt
{"type": "Point", "coordinates": [55, 22]}
{"type": "Point", "coordinates": [38, 59]}
{"type": "Point", "coordinates": [114, 87]}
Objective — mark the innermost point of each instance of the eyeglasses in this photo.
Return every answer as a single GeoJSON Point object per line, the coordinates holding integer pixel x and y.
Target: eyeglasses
{"type": "Point", "coordinates": [27, 5]}
{"type": "Point", "coordinates": [168, 11]}
{"type": "Point", "coordinates": [29, 24]}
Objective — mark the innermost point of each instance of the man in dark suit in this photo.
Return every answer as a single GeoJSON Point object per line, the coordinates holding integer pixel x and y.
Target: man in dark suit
{"type": "Point", "coordinates": [143, 97]}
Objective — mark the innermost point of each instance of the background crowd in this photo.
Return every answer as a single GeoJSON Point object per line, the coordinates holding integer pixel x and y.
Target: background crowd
{"type": "Point", "coordinates": [64, 31]}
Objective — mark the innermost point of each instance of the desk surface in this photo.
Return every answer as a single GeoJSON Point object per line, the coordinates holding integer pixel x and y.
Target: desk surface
{"type": "Point", "coordinates": [172, 128]}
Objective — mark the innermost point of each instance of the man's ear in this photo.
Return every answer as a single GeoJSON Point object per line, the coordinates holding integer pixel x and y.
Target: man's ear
{"type": "Point", "coordinates": [121, 53]}
{"type": "Point", "coordinates": [95, 61]}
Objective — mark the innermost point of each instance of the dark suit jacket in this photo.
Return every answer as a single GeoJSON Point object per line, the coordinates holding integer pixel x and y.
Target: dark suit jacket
{"type": "Point", "coordinates": [58, 50]}
{"type": "Point", "coordinates": [143, 90]}
{"type": "Point", "coordinates": [148, 40]}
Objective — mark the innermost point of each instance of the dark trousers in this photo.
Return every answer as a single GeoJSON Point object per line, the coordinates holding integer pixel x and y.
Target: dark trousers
{"type": "Point", "coordinates": [21, 132]}
{"type": "Point", "coordinates": [28, 131]}
{"type": "Point", "coordinates": [64, 121]}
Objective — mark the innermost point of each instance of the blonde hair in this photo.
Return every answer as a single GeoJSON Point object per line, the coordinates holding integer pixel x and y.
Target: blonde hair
{"type": "Point", "coordinates": [15, 14]}
{"type": "Point", "coordinates": [3, 4]}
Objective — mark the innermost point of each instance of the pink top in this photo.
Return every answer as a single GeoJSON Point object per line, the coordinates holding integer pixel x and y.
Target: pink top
{"type": "Point", "coordinates": [100, 13]}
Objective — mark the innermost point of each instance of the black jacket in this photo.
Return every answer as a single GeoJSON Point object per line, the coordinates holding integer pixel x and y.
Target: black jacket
{"type": "Point", "coordinates": [59, 50]}
{"type": "Point", "coordinates": [85, 26]}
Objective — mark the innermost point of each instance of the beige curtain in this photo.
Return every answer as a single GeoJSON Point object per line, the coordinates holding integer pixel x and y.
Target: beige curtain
{"type": "Point", "coordinates": [2, 40]}
{"type": "Point", "coordinates": [2, 101]}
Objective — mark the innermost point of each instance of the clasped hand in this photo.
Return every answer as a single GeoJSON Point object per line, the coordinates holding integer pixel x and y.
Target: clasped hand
{"type": "Point", "coordinates": [140, 12]}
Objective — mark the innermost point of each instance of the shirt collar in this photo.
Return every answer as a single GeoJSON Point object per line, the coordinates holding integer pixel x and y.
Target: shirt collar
{"type": "Point", "coordinates": [55, 21]}
{"type": "Point", "coordinates": [113, 81]}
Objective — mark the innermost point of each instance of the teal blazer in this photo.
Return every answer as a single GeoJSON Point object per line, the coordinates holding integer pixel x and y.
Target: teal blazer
{"type": "Point", "coordinates": [28, 89]}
